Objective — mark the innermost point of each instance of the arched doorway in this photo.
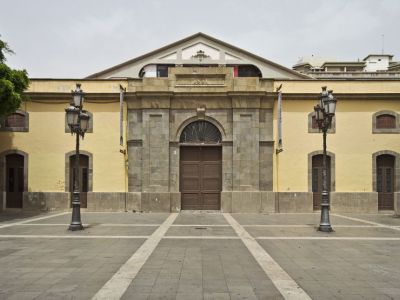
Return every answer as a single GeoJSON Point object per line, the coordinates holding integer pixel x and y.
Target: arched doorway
{"type": "Point", "coordinates": [200, 166]}
{"type": "Point", "coordinates": [385, 181]}
{"type": "Point", "coordinates": [317, 178]}
{"type": "Point", "coordinates": [14, 180]}
{"type": "Point", "coordinates": [83, 177]}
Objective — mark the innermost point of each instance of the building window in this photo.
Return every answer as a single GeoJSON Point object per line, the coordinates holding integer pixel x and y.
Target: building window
{"type": "Point", "coordinates": [162, 70]}
{"type": "Point", "coordinates": [246, 71]}
{"type": "Point", "coordinates": [385, 122]}
{"type": "Point", "coordinates": [90, 128]}
{"type": "Point", "coordinates": [313, 125]}
{"type": "Point", "coordinates": [18, 122]}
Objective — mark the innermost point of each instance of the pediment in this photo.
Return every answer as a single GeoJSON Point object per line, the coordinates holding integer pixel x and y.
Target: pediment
{"type": "Point", "coordinates": [198, 49]}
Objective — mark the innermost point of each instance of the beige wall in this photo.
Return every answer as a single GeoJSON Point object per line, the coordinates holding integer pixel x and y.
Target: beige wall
{"type": "Point", "coordinates": [353, 144]}
{"type": "Point", "coordinates": [339, 86]}
{"type": "Point", "coordinates": [47, 143]}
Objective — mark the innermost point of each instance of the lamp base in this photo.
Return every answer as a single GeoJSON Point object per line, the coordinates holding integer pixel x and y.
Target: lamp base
{"type": "Point", "coordinates": [325, 228]}
{"type": "Point", "coordinates": [75, 227]}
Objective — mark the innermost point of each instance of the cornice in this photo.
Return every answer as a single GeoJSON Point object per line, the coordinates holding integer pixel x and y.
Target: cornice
{"type": "Point", "coordinates": [167, 94]}
{"type": "Point", "coordinates": [68, 96]}
{"type": "Point", "coordinates": [338, 96]}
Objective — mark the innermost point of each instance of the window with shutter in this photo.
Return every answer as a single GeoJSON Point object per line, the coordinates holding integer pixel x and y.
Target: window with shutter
{"type": "Point", "coordinates": [18, 121]}
{"type": "Point", "coordinates": [385, 121]}
{"type": "Point", "coordinates": [15, 120]}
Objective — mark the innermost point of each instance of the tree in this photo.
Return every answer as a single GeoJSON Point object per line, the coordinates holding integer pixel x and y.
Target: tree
{"type": "Point", "coordinates": [12, 83]}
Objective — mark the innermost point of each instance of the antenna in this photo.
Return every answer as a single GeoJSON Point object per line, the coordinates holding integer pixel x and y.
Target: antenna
{"type": "Point", "coordinates": [383, 43]}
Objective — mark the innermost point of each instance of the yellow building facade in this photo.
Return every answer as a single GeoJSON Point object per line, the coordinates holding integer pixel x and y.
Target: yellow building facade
{"type": "Point", "coordinates": [200, 131]}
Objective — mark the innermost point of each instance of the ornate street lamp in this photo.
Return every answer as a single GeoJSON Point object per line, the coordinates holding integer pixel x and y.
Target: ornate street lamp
{"type": "Point", "coordinates": [78, 122]}
{"type": "Point", "coordinates": [324, 113]}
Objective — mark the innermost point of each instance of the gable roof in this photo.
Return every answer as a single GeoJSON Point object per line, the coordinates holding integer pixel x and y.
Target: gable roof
{"type": "Point", "coordinates": [290, 73]}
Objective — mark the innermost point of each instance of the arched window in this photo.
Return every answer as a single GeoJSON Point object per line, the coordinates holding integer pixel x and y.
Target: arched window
{"type": "Point", "coordinates": [385, 121]}
{"type": "Point", "coordinates": [201, 132]}
{"type": "Point", "coordinates": [18, 121]}
{"type": "Point", "coordinates": [90, 128]}
{"type": "Point", "coordinates": [313, 125]}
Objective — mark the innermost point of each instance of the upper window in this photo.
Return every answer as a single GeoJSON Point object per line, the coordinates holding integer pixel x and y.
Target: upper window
{"type": "Point", "coordinates": [201, 132]}
{"type": "Point", "coordinates": [18, 121]}
{"type": "Point", "coordinates": [313, 125]}
{"type": "Point", "coordinates": [90, 128]}
{"type": "Point", "coordinates": [385, 122]}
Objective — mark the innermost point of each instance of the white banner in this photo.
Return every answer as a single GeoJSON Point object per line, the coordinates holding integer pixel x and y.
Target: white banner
{"type": "Point", "coordinates": [279, 147]}
{"type": "Point", "coordinates": [121, 114]}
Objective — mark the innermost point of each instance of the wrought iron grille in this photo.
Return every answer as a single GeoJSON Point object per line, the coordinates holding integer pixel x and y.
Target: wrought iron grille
{"type": "Point", "coordinates": [201, 132]}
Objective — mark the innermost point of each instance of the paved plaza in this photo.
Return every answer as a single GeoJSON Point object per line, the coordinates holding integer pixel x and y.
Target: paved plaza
{"type": "Point", "coordinates": [199, 255]}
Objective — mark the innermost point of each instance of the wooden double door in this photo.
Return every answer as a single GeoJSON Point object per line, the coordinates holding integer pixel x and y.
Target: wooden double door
{"type": "Point", "coordinates": [317, 179]}
{"type": "Point", "coordinates": [14, 180]}
{"type": "Point", "coordinates": [385, 181]}
{"type": "Point", "coordinates": [200, 177]}
{"type": "Point", "coordinates": [83, 174]}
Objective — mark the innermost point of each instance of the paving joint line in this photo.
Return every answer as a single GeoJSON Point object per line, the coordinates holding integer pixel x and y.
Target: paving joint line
{"type": "Point", "coordinates": [88, 224]}
{"type": "Point", "coordinates": [327, 238]}
{"type": "Point", "coordinates": [200, 225]}
{"type": "Point", "coordinates": [367, 222]}
{"type": "Point", "coordinates": [304, 226]}
{"type": "Point", "coordinates": [44, 236]}
{"type": "Point", "coordinates": [32, 220]}
{"type": "Point", "coordinates": [211, 237]}
{"type": "Point", "coordinates": [288, 288]}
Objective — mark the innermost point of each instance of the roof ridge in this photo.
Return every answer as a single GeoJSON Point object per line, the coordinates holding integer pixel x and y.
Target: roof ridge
{"type": "Point", "coordinates": [190, 37]}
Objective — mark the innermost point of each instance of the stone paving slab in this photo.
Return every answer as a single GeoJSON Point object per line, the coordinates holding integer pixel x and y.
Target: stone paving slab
{"type": "Point", "coordinates": [386, 219]}
{"type": "Point", "coordinates": [201, 231]}
{"type": "Point", "coordinates": [313, 232]}
{"type": "Point", "coordinates": [60, 268]}
{"type": "Point", "coordinates": [16, 216]}
{"type": "Point", "coordinates": [88, 231]}
{"type": "Point", "coordinates": [219, 267]}
{"type": "Point", "coordinates": [341, 269]}
{"type": "Point", "coordinates": [111, 218]}
{"type": "Point", "coordinates": [201, 269]}
{"type": "Point", "coordinates": [201, 218]}
{"type": "Point", "coordinates": [288, 219]}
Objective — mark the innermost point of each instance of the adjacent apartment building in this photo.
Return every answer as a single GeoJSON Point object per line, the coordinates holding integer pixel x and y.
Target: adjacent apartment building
{"type": "Point", "coordinates": [199, 121]}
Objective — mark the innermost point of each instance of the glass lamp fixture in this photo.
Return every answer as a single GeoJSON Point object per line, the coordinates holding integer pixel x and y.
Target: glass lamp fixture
{"type": "Point", "coordinates": [78, 96]}
{"type": "Point", "coordinates": [72, 116]}
{"type": "Point", "coordinates": [84, 120]}
{"type": "Point", "coordinates": [330, 104]}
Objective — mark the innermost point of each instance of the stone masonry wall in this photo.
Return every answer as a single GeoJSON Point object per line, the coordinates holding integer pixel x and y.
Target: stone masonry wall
{"type": "Point", "coordinates": [245, 150]}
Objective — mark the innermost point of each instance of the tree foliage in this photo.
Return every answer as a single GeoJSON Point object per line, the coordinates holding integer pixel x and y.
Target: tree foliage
{"type": "Point", "coordinates": [12, 83]}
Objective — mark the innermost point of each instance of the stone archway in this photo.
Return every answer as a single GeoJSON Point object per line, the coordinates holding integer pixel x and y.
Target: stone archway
{"type": "Point", "coordinates": [200, 181]}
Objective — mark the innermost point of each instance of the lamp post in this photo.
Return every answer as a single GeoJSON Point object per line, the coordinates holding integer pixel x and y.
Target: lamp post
{"type": "Point", "coordinates": [324, 113]}
{"type": "Point", "coordinates": [78, 122]}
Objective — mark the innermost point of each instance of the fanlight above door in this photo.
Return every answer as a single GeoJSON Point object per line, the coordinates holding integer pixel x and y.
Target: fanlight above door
{"type": "Point", "coordinates": [201, 132]}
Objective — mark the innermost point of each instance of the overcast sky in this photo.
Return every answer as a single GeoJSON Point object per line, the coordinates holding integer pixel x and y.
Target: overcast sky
{"type": "Point", "coordinates": [72, 39]}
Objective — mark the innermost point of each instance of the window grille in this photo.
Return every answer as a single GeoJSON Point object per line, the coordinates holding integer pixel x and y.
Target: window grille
{"type": "Point", "coordinates": [201, 132]}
